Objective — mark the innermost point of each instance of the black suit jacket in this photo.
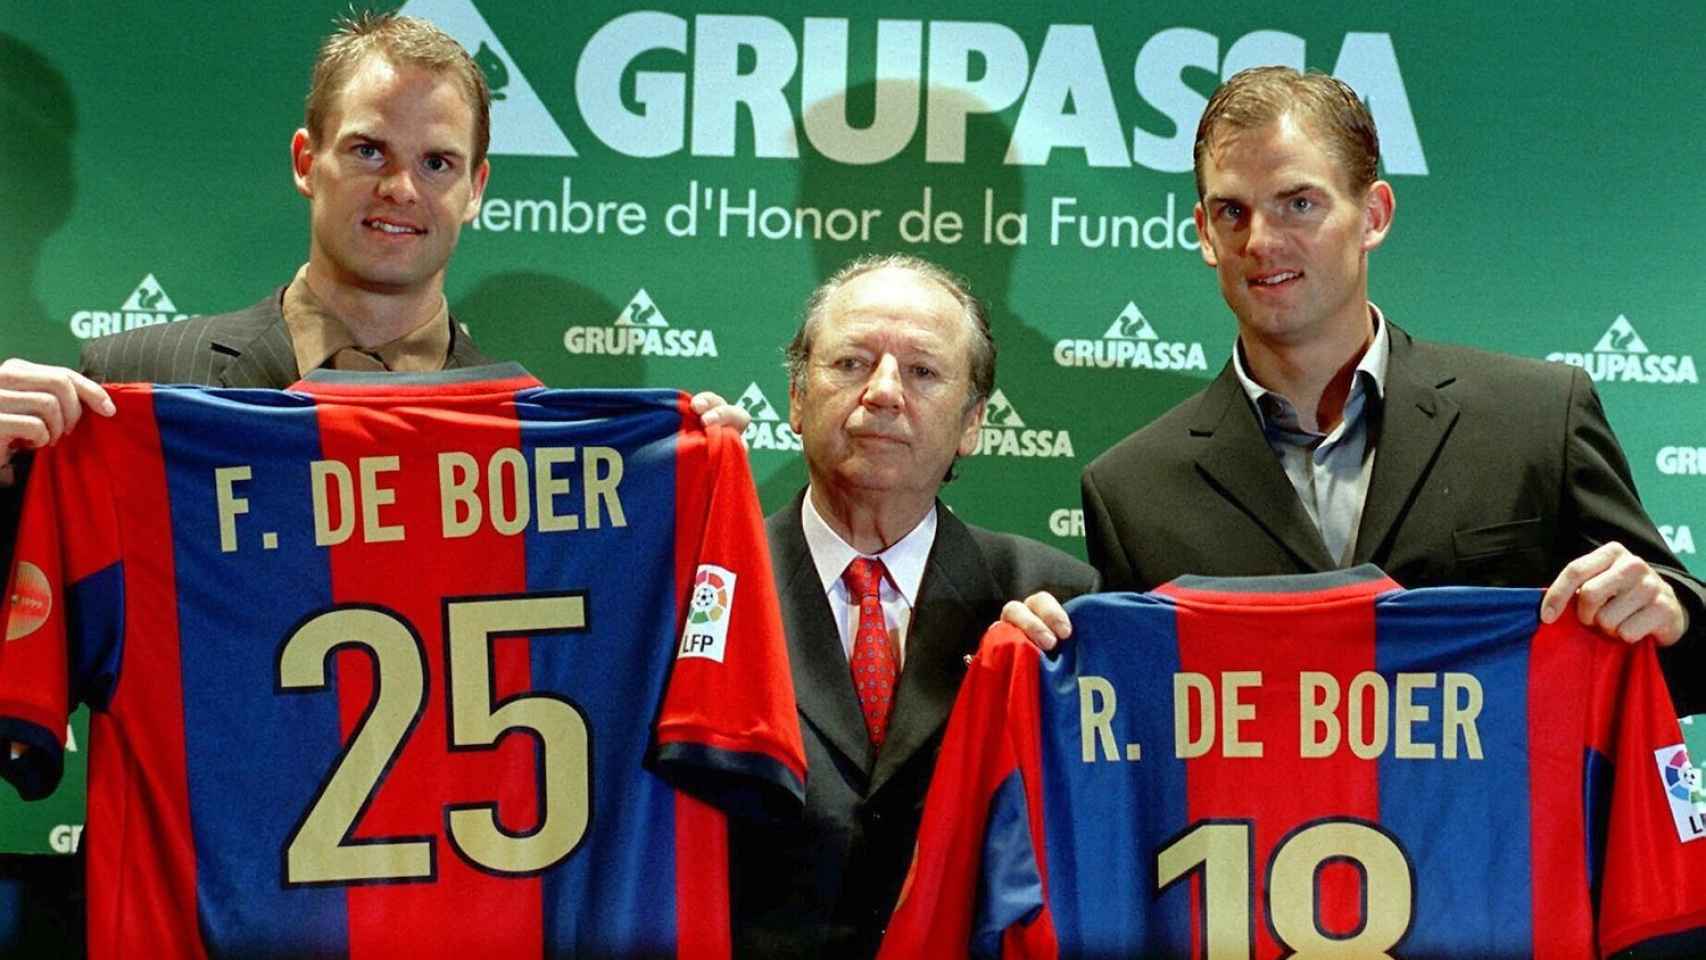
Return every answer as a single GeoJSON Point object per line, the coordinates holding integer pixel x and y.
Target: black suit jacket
{"type": "Point", "coordinates": [824, 885]}
{"type": "Point", "coordinates": [1489, 470]}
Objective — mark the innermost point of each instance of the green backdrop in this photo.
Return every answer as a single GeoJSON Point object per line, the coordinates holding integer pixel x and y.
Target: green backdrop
{"type": "Point", "coordinates": [667, 186]}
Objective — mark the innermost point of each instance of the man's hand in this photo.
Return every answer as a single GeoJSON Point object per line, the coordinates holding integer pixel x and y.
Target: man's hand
{"type": "Point", "coordinates": [713, 409]}
{"type": "Point", "coordinates": [1042, 618]}
{"type": "Point", "coordinates": [1620, 594]}
{"type": "Point", "coordinates": [39, 404]}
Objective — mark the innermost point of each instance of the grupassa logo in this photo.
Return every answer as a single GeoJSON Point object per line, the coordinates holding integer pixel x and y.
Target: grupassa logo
{"type": "Point", "coordinates": [768, 430]}
{"type": "Point", "coordinates": [1131, 343]}
{"type": "Point", "coordinates": [640, 330]}
{"type": "Point", "coordinates": [147, 304]}
{"type": "Point", "coordinates": [648, 83]}
{"type": "Point", "coordinates": [1622, 356]}
{"type": "Point", "coordinates": [1005, 434]}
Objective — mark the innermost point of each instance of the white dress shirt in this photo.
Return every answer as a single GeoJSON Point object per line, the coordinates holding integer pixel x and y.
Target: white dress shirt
{"type": "Point", "coordinates": [904, 561]}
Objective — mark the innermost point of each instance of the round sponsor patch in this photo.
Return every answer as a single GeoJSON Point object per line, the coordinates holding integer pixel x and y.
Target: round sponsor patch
{"type": "Point", "coordinates": [710, 599]}
{"type": "Point", "coordinates": [31, 600]}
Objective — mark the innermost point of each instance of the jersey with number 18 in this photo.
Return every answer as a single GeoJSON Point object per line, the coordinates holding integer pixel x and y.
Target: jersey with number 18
{"type": "Point", "coordinates": [452, 665]}
{"type": "Point", "coordinates": [1310, 767]}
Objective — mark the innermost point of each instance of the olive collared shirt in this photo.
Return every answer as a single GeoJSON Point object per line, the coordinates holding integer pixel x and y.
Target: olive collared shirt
{"type": "Point", "coordinates": [320, 339]}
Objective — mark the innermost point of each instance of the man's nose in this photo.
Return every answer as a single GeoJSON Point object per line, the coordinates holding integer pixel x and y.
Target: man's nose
{"type": "Point", "coordinates": [884, 388]}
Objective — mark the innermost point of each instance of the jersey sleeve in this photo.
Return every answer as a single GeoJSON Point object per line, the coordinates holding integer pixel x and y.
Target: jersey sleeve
{"type": "Point", "coordinates": [63, 608]}
{"type": "Point", "coordinates": [976, 885]}
{"type": "Point", "coordinates": [1652, 889]}
{"type": "Point", "coordinates": [728, 731]}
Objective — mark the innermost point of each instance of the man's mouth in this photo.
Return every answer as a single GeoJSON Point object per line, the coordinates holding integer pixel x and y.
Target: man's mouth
{"type": "Point", "coordinates": [395, 229]}
{"type": "Point", "coordinates": [1275, 279]}
{"type": "Point", "coordinates": [877, 437]}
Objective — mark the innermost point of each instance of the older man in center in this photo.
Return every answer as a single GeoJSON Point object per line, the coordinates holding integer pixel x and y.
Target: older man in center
{"type": "Point", "coordinates": [884, 593]}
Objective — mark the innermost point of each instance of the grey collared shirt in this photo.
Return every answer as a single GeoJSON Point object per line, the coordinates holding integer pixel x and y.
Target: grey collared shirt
{"type": "Point", "coordinates": [1330, 471]}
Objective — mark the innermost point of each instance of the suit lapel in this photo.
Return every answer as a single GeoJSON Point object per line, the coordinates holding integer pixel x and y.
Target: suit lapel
{"type": "Point", "coordinates": [1416, 417]}
{"type": "Point", "coordinates": [823, 683]}
{"type": "Point", "coordinates": [259, 346]}
{"type": "Point", "coordinates": [262, 356]}
{"type": "Point", "coordinates": [1236, 459]}
{"type": "Point", "coordinates": [463, 353]}
{"type": "Point", "coordinates": [944, 627]}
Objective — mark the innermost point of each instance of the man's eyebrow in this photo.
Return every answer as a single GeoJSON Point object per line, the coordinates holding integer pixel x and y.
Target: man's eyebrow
{"type": "Point", "coordinates": [1292, 191]}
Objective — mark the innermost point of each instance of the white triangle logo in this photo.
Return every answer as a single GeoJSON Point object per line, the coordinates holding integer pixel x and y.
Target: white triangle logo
{"type": "Point", "coordinates": [754, 402]}
{"type": "Point", "coordinates": [1000, 412]}
{"type": "Point", "coordinates": [521, 126]}
{"type": "Point", "coordinates": [149, 297]}
{"type": "Point", "coordinates": [641, 312]}
{"type": "Point", "coordinates": [1620, 337]}
{"type": "Point", "coordinates": [1131, 324]}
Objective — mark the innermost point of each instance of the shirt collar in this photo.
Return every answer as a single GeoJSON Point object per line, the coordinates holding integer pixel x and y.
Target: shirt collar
{"type": "Point", "coordinates": [317, 335]}
{"type": "Point", "coordinates": [1369, 376]}
{"type": "Point", "coordinates": [904, 559]}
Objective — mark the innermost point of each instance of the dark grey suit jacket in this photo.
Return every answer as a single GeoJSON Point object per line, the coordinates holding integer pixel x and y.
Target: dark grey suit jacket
{"type": "Point", "coordinates": [1489, 470]}
{"type": "Point", "coordinates": [824, 885]}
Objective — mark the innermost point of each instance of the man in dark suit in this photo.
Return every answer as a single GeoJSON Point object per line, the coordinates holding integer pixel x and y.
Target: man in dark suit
{"type": "Point", "coordinates": [1333, 437]}
{"type": "Point", "coordinates": [888, 376]}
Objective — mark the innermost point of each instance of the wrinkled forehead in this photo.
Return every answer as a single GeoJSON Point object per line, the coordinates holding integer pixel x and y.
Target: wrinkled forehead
{"type": "Point", "coordinates": [899, 307]}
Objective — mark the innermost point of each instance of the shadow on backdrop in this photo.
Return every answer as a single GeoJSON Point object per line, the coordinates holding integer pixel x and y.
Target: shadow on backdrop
{"type": "Point", "coordinates": [521, 315]}
{"type": "Point", "coordinates": [41, 901]}
{"type": "Point", "coordinates": [39, 117]}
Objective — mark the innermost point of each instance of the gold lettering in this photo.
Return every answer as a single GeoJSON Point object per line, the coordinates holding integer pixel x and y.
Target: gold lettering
{"type": "Point", "coordinates": [320, 471]}
{"type": "Point", "coordinates": [229, 504]}
{"type": "Point", "coordinates": [1317, 713]}
{"type": "Point", "coordinates": [1096, 718]}
{"type": "Point", "coordinates": [373, 496]}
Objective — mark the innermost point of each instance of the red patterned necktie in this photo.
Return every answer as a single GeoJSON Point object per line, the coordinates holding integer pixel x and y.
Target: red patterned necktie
{"type": "Point", "coordinates": [874, 666]}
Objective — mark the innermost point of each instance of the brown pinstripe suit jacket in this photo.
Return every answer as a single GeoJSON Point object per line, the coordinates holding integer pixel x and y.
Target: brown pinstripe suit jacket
{"type": "Point", "coordinates": [245, 348]}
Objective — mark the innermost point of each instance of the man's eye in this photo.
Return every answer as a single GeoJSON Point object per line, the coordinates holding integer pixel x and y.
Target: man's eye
{"type": "Point", "coordinates": [437, 164]}
{"type": "Point", "coordinates": [922, 372]}
{"type": "Point", "coordinates": [847, 363]}
{"type": "Point", "coordinates": [366, 151]}
{"type": "Point", "coordinates": [1231, 211]}
{"type": "Point", "coordinates": [1302, 204]}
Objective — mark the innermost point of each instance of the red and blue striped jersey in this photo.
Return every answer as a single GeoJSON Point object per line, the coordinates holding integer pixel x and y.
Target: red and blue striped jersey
{"type": "Point", "coordinates": [453, 665]}
{"type": "Point", "coordinates": [1312, 766]}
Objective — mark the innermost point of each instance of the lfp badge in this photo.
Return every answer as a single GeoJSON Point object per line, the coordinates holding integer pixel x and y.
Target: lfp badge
{"type": "Point", "coordinates": [1682, 783]}
{"type": "Point", "coordinates": [707, 627]}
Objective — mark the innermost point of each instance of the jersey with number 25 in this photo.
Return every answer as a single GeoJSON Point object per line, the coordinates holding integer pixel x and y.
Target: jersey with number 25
{"type": "Point", "coordinates": [451, 665]}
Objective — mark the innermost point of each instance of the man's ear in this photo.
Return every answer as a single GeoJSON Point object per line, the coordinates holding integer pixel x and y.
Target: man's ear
{"type": "Point", "coordinates": [301, 161]}
{"type": "Point", "coordinates": [481, 173]}
{"type": "Point", "coordinates": [969, 429]}
{"type": "Point", "coordinates": [1205, 240]}
{"type": "Point", "coordinates": [1378, 208]}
